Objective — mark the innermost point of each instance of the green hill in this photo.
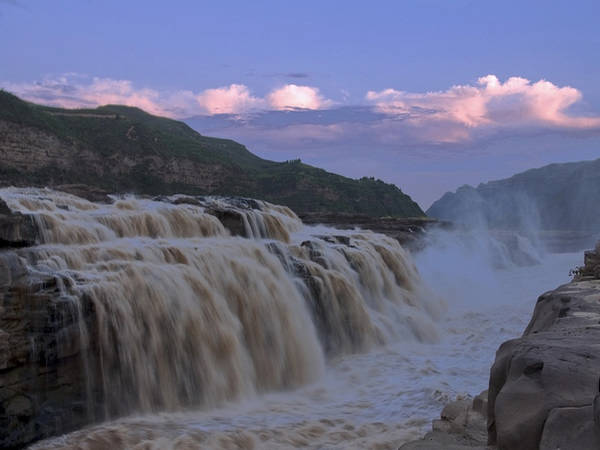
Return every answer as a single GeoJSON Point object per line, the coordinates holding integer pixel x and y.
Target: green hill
{"type": "Point", "coordinates": [120, 149]}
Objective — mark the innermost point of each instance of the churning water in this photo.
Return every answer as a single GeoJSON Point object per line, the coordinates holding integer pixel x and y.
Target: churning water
{"type": "Point", "coordinates": [297, 337]}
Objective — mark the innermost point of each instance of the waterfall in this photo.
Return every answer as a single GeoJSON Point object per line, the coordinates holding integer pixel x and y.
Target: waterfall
{"type": "Point", "coordinates": [200, 300]}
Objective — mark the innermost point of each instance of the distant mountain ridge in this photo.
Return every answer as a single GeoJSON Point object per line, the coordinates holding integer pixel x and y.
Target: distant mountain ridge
{"type": "Point", "coordinates": [554, 197]}
{"type": "Point", "coordinates": [123, 149]}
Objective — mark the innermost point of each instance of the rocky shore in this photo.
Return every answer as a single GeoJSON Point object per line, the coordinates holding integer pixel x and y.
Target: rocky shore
{"type": "Point", "coordinates": [544, 386]}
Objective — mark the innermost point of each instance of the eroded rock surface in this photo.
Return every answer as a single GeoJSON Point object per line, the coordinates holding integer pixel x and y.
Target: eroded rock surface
{"type": "Point", "coordinates": [543, 386]}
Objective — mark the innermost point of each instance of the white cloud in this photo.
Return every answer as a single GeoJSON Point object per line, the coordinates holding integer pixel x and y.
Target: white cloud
{"type": "Point", "coordinates": [292, 96]}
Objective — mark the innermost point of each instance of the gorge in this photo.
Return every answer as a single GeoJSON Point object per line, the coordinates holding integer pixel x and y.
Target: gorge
{"type": "Point", "coordinates": [309, 336]}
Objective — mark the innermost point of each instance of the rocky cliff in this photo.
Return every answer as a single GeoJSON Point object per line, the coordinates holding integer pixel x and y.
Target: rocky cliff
{"type": "Point", "coordinates": [120, 149]}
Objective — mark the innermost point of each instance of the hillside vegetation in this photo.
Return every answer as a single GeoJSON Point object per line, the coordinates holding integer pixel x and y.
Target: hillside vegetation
{"type": "Point", "coordinates": [118, 149]}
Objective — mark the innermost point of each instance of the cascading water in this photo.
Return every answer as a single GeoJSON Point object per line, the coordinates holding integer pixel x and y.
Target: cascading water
{"type": "Point", "coordinates": [188, 315]}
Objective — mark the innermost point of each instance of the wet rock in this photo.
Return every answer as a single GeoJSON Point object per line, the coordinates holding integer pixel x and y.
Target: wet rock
{"type": "Point", "coordinates": [16, 230]}
{"type": "Point", "coordinates": [42, 377]}
{"type": "Point", "coordinates": [3, 349]}
{"type": "Point", "coordinates": [232, 212]}
{"type": "Point", "coordinates": [91, 193]}
{"type": "Point", "coordinates": [19, 406]}
{"type": "Point", "coordinates": [596, 411]}
{"type": "Point", "coordinates": [232, 220]}
{"type": "Point", "coordinates": [462, 426]}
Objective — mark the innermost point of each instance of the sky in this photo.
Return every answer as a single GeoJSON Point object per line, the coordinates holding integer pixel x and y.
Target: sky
{"type": "Point", "coordinates": [428, 95]}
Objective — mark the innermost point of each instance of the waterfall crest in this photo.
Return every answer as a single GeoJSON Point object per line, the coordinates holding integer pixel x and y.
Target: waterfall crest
{"type": "Point", "coordinates": [199, 300]}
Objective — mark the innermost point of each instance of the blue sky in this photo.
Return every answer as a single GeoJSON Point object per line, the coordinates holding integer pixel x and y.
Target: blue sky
{"type": "Point", "coordinates": [397, 90]}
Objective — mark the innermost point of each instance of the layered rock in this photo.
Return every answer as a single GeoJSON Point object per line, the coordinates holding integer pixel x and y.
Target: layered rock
{"type": "Point", "coordinates": [544, 388]}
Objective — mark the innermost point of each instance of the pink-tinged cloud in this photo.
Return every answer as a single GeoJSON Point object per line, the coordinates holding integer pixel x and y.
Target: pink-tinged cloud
{"type": "Point", "coordinates": [292, 96]}
{"type": "Point", "coordinates": [460, 110]}
{"type": "Point", "coordinates": [233, 99]}
{"type": "Point", "coordinates": [80, 91]}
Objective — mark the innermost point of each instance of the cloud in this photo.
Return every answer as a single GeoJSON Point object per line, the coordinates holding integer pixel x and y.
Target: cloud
{"type": "Point", "coordinates": [72, 90]}
{"type": "Point", "coordinates": [292, 96]}
{"type": "Point", "coordinates": [461, 115]}
{"type": "Point", "coordinates": [461, 112]}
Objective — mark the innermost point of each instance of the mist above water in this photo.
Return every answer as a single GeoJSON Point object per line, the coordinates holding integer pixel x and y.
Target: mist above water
{"type": "Point", "coordinates": [554, 206]}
